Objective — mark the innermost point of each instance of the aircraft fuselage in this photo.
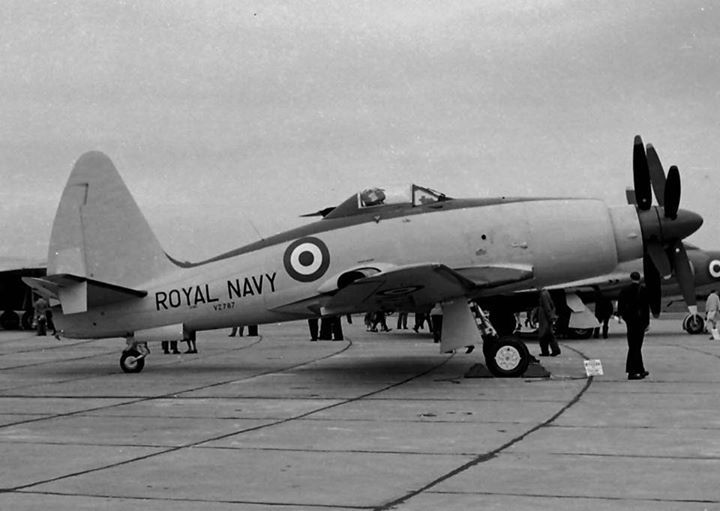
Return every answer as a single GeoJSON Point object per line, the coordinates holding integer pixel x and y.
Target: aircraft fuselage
{"type": "Point", "coordinates": [561, 239]}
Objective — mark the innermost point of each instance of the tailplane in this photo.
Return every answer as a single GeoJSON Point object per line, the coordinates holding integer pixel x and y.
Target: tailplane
{"type": "Point", "coordinates": [99, 233]}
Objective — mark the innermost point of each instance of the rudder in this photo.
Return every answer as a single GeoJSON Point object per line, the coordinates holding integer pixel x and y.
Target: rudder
{"type": "Point", "coordinates": [99, 232]}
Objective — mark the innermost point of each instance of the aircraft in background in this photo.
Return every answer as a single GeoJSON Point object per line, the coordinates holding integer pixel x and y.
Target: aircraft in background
{"type": "Point", "coordinates": [381, 249]}
{"type": "Point", "coordinates": [577, 321]}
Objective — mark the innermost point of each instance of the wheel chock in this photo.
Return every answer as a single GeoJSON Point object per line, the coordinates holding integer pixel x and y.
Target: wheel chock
{"type": "Point", "coordinates": [534, 370]}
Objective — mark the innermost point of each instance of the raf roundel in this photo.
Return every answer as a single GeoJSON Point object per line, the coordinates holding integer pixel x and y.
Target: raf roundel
{"type": "Point", "coordinates": [306, 259]}
{"type": "Point", "coordinates": [714, 268]}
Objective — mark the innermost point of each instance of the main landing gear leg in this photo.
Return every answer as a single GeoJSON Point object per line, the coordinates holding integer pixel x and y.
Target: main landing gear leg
{"type": "Point", "coordinates": [506, 356]}
{"type": "Point", "coordinates": [133, 356]}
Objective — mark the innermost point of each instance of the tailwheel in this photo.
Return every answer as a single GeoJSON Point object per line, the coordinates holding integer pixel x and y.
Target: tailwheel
{"type": "Point", "coordinates": [507, 357]}
{"type": "Point", "coordinates": [132, 361]}
{"type": "Point", "coordinates": [694, 324]}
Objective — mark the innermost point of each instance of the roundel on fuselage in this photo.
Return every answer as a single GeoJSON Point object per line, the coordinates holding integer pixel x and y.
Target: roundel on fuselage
{"type": "Point", "coordinates": [306, 259]}
{"type": "Point", "coordinates": [714, 268]}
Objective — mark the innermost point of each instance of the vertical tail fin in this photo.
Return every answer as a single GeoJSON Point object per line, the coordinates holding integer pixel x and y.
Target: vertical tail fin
{"type": "Point", "coordinates": [99, 231]}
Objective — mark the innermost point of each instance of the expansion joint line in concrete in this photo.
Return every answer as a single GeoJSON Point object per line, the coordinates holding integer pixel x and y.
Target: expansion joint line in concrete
{"type": "Point", "coordinates": [226, 435]}
{"type": "Point", "coordinates": [491, 454]}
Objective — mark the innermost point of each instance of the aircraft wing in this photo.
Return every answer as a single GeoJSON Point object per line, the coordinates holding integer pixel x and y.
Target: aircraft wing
{"type": "Point", "coordinates": [606, 282]}
{"type": "Point", "coordinates": [413, 287]}
{"type": "Point", "coordinates": [496, 275]}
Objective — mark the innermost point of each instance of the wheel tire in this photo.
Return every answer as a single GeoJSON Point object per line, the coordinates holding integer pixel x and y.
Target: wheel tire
{"type": "Point", "coordinates": [130, 363]}
{"type": "Point", "coordinates": [508, 357]}
{"type": "Point", "coordinates": [694, 324]}
{"type": "Point", "coordinates": [580, 333]}
{"type": "Point", "coordinates": [9, 320]}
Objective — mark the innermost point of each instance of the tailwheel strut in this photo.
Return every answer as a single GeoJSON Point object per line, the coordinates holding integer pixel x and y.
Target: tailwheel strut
{"type": "Point", "coordinates": [132, 359]}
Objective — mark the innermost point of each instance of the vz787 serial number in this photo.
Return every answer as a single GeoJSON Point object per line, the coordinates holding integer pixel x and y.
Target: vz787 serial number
{"type": "Point", "coordinates": [224, 306]}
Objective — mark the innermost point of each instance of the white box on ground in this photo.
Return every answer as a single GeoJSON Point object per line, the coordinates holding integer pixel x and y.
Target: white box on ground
{"type": "Point", "coordinates": [593, 368]}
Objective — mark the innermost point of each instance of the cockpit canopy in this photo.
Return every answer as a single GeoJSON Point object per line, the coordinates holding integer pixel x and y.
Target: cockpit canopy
{"type": "Point", "coordinates": [373, 198]}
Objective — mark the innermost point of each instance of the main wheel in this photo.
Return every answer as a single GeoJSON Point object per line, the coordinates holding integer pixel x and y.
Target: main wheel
{"type": "Point", "coordinates": [694, 324]}
{"type": "Point", "coordinates": [131, 361]}
{"type": "Point", "coordinates": [507, 357]}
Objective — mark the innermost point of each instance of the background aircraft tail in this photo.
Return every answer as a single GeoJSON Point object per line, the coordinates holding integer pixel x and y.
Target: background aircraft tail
{"type": "Point", "coordinates": [99, 232]}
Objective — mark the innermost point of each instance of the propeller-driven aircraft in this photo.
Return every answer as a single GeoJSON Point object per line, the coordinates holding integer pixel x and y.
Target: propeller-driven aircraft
{"type": "Point", "coordinates": [381, 249]}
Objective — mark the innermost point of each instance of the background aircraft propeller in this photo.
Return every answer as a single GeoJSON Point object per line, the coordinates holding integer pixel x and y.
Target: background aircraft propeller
{"type": "Point", "coordinates": [663, 226]}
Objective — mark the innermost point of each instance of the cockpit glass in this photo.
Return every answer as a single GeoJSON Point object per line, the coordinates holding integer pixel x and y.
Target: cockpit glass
{"type": "Point", "coordinates": [376, 196]}
{"type": "Point", "coordinates": [426, 196]}
{"type": "Point", "coordinates": [392, 195]}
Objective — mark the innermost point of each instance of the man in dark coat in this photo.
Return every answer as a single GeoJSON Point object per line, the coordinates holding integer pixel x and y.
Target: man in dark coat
{"type": "Point", "coordinates": [603, 312]}
{"type": "Point", "coordinates": [546, 318]}
{"type": "Point", "coordinates": [634, 308]}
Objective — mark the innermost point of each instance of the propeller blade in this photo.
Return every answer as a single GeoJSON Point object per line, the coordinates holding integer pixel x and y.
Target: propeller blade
{"type": "Point", "coordinates": [652, 284]}
{"type": "Point", "coordinates": [672, 193]}
{"type": "Point", "coordinates": [657, 174]}
{"type": "Point", "coordinates": [684, 276]}
{"type": "Point", "coordinates": [641, 175]}
{"type": "Point", "coordinates": [630, 196]}
{"type": "Point", "coordinates": [659, 258]}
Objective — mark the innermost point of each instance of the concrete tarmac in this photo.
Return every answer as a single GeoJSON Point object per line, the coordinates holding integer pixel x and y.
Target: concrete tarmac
{"type": "Point", "coordinates": [378, 421]}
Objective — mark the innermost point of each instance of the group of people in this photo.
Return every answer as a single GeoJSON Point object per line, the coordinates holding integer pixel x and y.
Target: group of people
{"type": "Point", "coordinates": [328, 328]}
{"type": "Point", "coordinates": [433, 318]}
{"type": "Point", "coordinates": [169, 347]}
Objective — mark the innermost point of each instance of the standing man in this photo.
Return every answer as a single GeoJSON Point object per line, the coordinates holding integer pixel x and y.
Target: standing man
{"type": "Point", "coordinates": [41, 309]}
{"type": "Point", "coordinates": [402, 320]}
{"type": "Point", "coordinates": [712, 308]}
{"type": "Point", "coordinates": [313, 326]}
{"type": "Point", "coordinates": [436, 320]}
{"type": "Point", "coordinates": [634, 308]}
{"type": "Point", "coordinates": [546, 318]}
{"type": "Point", "coordinates": [603, 312]}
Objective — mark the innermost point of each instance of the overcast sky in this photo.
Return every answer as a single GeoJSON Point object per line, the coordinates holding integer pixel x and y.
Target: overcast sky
{"type": "Point", "coordinates": [227, 118]}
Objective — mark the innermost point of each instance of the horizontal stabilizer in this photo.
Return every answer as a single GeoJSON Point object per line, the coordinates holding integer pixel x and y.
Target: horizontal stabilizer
{"type": "Point", "coordinates": [77, 294]}
{"type": "Point", "coordinates": [43, 287]}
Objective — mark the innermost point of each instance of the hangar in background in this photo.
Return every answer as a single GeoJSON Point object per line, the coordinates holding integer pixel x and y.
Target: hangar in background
{"type": "Point", "coordinates": [16, 298]}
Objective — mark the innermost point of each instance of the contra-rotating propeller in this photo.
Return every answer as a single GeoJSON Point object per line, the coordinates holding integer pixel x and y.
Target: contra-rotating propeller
{"type": "Point", "coordinates": [663, 226]}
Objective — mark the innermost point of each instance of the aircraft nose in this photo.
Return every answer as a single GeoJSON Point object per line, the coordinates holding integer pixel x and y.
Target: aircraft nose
{"type": "Point", "coordinates": [686, 223]}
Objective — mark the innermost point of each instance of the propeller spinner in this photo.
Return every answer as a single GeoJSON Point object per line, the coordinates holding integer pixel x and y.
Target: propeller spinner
{"type": "Point", "coordinates": [663, 226]}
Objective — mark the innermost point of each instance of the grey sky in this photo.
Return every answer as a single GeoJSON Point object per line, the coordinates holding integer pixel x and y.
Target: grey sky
{"type": "Point", "coordinates": [218, 114]}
